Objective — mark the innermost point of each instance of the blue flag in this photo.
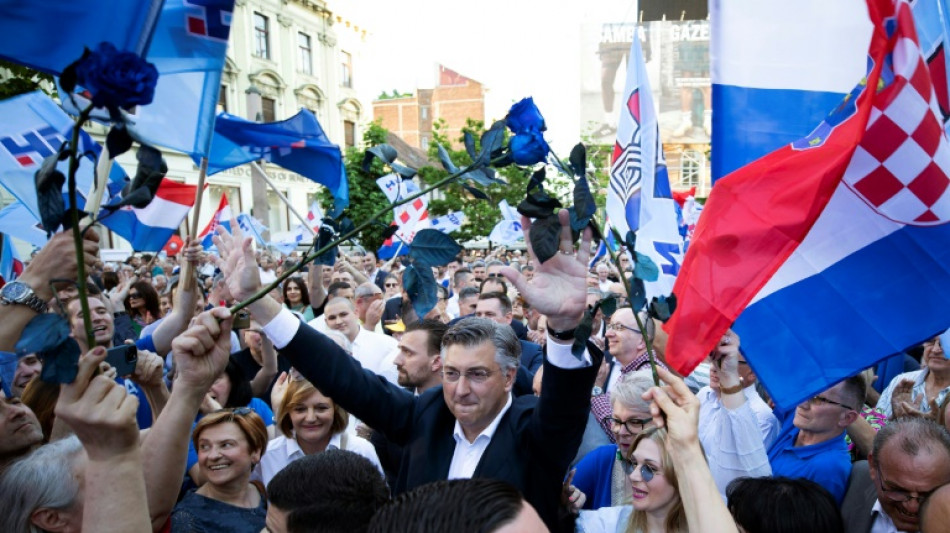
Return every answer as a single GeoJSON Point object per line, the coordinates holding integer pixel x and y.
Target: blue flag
{"type": "Point", "coordinates": [297, 144]}
{"type": "Point", "coordinates": [34, 127]}
{"type": "Point", "coordinates": [189, 46]}
{"type": "Point", "coordinates": [50, 35]}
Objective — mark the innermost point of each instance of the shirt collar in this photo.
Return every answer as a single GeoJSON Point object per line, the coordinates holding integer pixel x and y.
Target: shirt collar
{"type": "Point", "coordinates": [489, 431]}
{"type": "Point", "coordinates": [335, 441]}
{"type": "Point", "coordinates": [878, 515]}
{"type": "Point", "coordinates": [638, 362]}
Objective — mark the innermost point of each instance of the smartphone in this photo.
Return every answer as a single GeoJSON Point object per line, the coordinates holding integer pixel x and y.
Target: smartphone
{"type": "Point", "coordinates": [123, 359]}
{"type": "Point", "coordinates": [241, 321]}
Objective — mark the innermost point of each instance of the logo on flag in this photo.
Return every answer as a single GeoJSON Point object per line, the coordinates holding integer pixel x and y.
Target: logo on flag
{"type": "Point", "coordinates": [205, 19]}
{"type": "Point", "coordinates": [43, 142]}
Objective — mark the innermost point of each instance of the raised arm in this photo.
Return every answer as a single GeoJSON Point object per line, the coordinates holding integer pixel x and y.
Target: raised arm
{"type": "Point", "coordinates": [184, 309]}
{"type": "Point", "coordinates": [201, 353]}
{"type": "Point", "coordinates": [335, 373]}
{"type": "Point", "coordinates": [55, 261]}
{"type": "Point", "coordinates": [102, 415]}
{"type": "Point", "coordinates": [318, 294]}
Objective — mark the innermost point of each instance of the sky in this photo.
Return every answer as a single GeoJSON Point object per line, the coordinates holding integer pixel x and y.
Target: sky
{"type": "Point", "coordinates": [517, 48]}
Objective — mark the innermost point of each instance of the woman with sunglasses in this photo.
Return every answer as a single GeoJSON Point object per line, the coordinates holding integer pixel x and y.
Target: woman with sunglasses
{"type": "Point", "coordinates": [656, 507]}
{"type": "Point", "coordinates": [391, 287]}
{"type": "Point", "coordinates": [142, 305]}
{"type": "Point", "coordinates": [600, 474]}
{"type": "Point", "coordinates": [230, 444]}
{"type": "Point", "coordinates": [310, 423]}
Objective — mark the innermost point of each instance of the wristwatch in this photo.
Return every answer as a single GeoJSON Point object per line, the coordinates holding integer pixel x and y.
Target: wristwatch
{"type": "Point", "coordinates": [731, 390]}
{"type": "Point", "coordinates": [596, 391]}
{"type": "Point", "coordinates": [17, 292]}
{"type": "Point", "coordinates": [561, 335]}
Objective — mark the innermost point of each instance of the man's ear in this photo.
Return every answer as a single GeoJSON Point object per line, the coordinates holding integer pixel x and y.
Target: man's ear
{"type": "Point", "coordinates": [48, 519]}
{"type": "Point", "coordinates": [848, 418]}
{"type": "Point", "coordinates": [436, 364]}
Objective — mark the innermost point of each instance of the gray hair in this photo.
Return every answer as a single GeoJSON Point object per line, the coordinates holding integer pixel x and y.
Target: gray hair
{"type": "Point", "coordinates": [913, 435]}
{"type": "Point", "coordinates": [473, 331]}
{"type": "Point", "coordinates": [341, 340]}
{"type": "Point", "coordinates": [43, 479]}
{"type": "Point", "coordinates": [494, 262]}
{"type": "Point", "coordinates": [366, 289]}
{"type": "Point", "coordinates": [468, 292]}
{"type": "Point", "coordinates": [630, 388]}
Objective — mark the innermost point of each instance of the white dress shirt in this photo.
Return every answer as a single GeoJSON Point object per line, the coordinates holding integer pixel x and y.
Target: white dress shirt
{"type": "Point", "coordinates": [282, 451]}
{"type": "Point", "coordinates": [732, 439]}
{"type": "Point", "coordinates": [468, 454]}
{"type": "Point", "coordinates": [373, 349]}
{"type": "Point", "coordinates": [881, 522]}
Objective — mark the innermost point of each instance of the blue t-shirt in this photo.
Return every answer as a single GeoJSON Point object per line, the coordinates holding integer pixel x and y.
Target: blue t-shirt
{"type": "Point", "coordinates": [144, 414]}
{"type": "Point", "coordinates": [827, 463]}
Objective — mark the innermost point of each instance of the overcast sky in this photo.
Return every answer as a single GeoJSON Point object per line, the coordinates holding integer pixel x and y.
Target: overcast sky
{"type": "Point", "coordinates": [516, 48]}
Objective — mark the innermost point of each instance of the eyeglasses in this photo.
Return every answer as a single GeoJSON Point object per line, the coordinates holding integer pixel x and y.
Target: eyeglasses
{"type": "Point", "coordinates": [476, 375]}
{"type": "Point", "coordinates": [646, 471]}
{"type": "Point", "coordinates": [134, 295]}
{"type": "Point", "coordinates": [817, 400]}
{"type": "Point", "coordinates": [933, 343]}
{"type": "Point", "coordinates": [900, 496]}
{"type": "Point", "coordinates": [632, 425]}
{"type": "Point", "coordinates": [617, 326]}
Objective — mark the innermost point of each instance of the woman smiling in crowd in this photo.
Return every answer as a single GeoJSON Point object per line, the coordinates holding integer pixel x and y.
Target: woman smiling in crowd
{"type": "Point", "coordinates": [297, 297]}
{"type": "Point", "coordinates": [657, 507]}
{"type": "Point", "coordinates": [229, 443]}
{"type": "Point", "coordinates": [310, 423]}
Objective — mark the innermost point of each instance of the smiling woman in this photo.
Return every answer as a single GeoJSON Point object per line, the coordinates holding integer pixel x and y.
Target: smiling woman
{"type": "Point", "coordinates": [310, 423]}
{"type": "Point", "coordinates": [230, 443]}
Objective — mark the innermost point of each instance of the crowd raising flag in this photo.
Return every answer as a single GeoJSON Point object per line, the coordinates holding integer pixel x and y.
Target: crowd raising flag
{"type": "Point", "coordinates": [807, 55]}
{"type": "Point", "coordinates": [297, 144]}
{"type": "Point", "coordinates": [148, 229]}
{"type": "Point", "coordinates": [817, 251]}
{"type": "Point", "coordinates": [639, 197]}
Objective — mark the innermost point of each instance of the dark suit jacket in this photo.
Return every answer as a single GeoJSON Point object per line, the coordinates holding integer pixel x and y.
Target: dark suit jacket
{"type": "Point", "coordinates": [380, 279]}
{"type": "Point", "coordinates": [531, 448]}
{"type": "Point", "coordinates": [531, 356]}
{"type": "Point", "coordinates": [858, 500]}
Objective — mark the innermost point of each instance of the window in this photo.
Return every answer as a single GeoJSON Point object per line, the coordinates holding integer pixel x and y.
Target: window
{"type": "Point", "coordinates": [261, 36]}
{"type": "Point", "coordinates": [304, 53]}
{"type": "Point", "coordinates": [223, 99]}
{"type": "Point", "coordinates": [277, 212]}
{"type": "Point", "coordinates": [346, 74]}
{"type": "Point", "coordinates": [349, 133]}
{"type": "Point", "coordinates": [691, 168]}
{"type": "Point", "coordinates": [425, 143]}
{"type": "Point", "coordinates": [425, 112]}
{"type": "Point", "coordinates": [268, 113]}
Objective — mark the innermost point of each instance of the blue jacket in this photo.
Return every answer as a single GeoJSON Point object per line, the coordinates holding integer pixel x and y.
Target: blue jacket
{"type": "Point", "coordinates": [594, 474]}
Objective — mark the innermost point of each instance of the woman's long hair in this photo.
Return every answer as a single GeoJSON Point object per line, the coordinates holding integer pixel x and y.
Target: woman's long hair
{"type": "Point", "coordinates": [302, 286]}
{"type": "Point", "coordinates": [150, 295]}
{"type": "Point", "coordinates": [676, 518]}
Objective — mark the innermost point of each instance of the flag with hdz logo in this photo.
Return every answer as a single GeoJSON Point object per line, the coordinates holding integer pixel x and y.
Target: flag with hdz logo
{"type": "Point", "coordinates": [830, 253]}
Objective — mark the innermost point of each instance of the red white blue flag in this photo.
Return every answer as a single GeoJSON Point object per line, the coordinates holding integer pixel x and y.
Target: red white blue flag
{"type": "Point", "coordinates": [221, 217]}
{"type": "Point", "coordinates": [830, 253]}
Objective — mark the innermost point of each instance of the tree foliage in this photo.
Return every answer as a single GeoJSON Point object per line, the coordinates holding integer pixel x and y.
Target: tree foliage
{"type": "Point", "coordinates": [481, 215]}
{"type": "Point", "coordinates": [365, 196]}
{"type": "Point", "coordinates": [17, 79]}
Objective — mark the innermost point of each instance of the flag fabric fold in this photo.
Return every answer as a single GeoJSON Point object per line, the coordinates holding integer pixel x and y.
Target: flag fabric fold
{"type": "Point", "coordinates": [51, 35]}
{"type": "Point", "coordinates": [297, 144]}
{"type": "Point", "coordinates": [221, 217]}
{"type": "Point", "coordinates": [639, 198]}
{"type": "Point", "coordinates": [10, 264]}
{"type": "Point", "coordinates": [829, 253]}
{"type": "Point", "coordinates": [149, 228]}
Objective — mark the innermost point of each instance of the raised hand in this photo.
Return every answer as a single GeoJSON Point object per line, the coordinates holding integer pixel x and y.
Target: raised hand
{"type": "Point", "coordinates": [237, 262]}
{"type": "Point", "coordinates": [98, 410]}
{"type": "Point", "coordinates": [675, 407]}
{"type": "Point", "coordinates": [202, 351]}
{"type": "Point", "coordinates": [559, 286]}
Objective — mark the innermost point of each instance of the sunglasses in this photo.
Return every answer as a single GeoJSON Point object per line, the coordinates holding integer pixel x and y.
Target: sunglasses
{"type": "Point", "coordinates": [134, 295]}
{"type": "Point", "coordinates": [647, 473]}
{"type": "Point", "coordinates": [822, 400]}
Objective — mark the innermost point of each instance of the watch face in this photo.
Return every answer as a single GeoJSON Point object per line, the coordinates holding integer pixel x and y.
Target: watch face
{"type": "Point", "coordinates": [15, 291]}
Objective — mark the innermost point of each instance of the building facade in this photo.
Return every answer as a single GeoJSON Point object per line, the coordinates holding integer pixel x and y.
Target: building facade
{"type": "Point", "coordinates": [454, 99]}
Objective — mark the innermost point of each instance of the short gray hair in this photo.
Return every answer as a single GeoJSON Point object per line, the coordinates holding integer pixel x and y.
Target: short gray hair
{"type": "Point", "coordinates": [473, 331]}
{"type": "Point", "coordinates": [913, 435]}
{"type": "Point", "coordinates": [43, 479]}
{"type": "Point", "coordinates": [366, 289]}
{"type": "Point", "coordinates": [630, 388]}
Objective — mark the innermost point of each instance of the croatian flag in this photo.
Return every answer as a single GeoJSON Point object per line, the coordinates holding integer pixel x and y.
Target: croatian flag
{"type": "Point", "coordinates": [410, 217]}
{"type": "Point", "coordinates": [10, 264]}
{"type": "Point", "coordinates": [221, 217]}
{"type": "Point", "coordinates": [933, 32]}
{"type": "Point", "coordinates": [149, 228]}
{"type": "Point", "coordinates": [315, 216]}
{"type": "Point", "coordinates": [639, 197]}
{"type": "Point", "coordinates": [830, 253]}
{"type": "Point", "coordinates": [777, 68]}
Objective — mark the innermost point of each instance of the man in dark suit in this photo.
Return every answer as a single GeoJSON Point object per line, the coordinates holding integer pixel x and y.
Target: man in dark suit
{"type": "Point", "coordinates": [910, 459]}
{"type": "Point", "coordinates": [496, 307]}
{"type": "Point", "coordinates": [471, 426]}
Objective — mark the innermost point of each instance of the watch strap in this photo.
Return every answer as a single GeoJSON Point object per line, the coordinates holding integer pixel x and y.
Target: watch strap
{"type": "Point", "coordinates": [731, 390]}
{"type": "Point", "coordinates": [561, 335]}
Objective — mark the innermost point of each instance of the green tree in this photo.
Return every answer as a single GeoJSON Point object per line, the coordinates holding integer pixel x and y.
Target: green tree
{"type": "Point", "coordinates": [17, 79]}
{"type": "Point", "coordinates": [365, 196]}
{"type": "Point", "coordinates": [481, 215]}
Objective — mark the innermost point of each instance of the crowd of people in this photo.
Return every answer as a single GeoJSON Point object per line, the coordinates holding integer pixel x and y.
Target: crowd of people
{"type": "Point", "coordinates": [330, 405]}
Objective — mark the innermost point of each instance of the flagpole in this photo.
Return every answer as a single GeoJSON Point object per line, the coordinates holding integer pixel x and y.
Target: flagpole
{"type": "Point", "coordinates": [186, 273]}
{"type": "Point", "coordinates": [263, 175]}
{"type": "Point", "coordinates": [103, 169]}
